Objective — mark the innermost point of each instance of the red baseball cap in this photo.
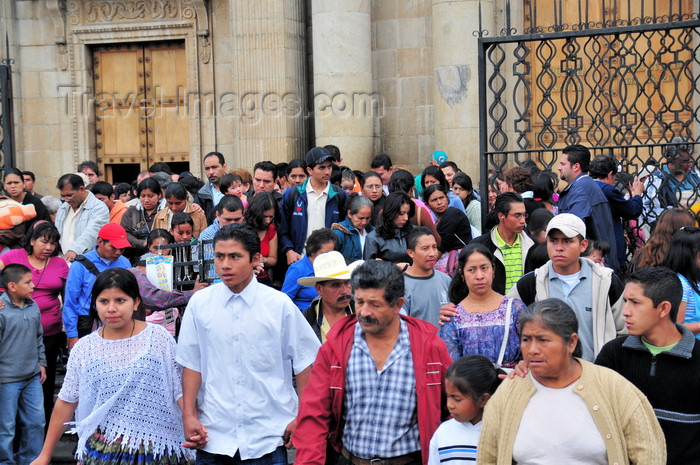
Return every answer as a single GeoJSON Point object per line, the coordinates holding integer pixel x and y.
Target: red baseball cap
{"type": "Point", "coordinates": [115, 234]}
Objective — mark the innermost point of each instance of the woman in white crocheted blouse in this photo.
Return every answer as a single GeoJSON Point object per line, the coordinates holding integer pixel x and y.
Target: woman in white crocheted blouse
{"type": "Point", "coordinates": [123, 385]}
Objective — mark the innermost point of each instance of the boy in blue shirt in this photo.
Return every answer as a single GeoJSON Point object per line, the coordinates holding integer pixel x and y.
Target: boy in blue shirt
{"type": "Point", "coordinates": [22, 368]}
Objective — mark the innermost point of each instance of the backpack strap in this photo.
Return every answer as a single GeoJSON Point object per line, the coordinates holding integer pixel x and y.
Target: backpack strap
{"type": "Point", "coordinates": [87, 264]}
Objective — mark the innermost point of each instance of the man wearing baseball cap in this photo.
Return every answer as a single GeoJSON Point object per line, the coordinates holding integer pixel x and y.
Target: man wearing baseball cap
{"type": "Point", "coordinates": [313, 205]}
{"type": "Point", "coordinates": [594, 292]}
{"type": "Point", "coordinates": [111, 242]}
{"type": "Point", "coordinates": [332, 282]}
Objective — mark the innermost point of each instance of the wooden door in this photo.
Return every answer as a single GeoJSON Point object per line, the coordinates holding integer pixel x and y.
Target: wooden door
{"type": "Point", "coordinates": [140, 116]}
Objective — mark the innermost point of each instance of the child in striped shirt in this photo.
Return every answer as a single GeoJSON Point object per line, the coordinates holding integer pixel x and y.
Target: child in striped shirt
{"type": "Point", "coordinates": [469, 384]}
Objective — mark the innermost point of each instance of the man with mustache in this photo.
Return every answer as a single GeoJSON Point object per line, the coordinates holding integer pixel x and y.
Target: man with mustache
{"type": "Point", "coordinates": [376, 389]}
{"type": "Point", "coordinates": [332, 282]}
{"type": "Point", "coordinates": [209, 195]}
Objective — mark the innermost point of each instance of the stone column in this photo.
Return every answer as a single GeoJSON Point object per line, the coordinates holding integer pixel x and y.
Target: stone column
{"type": "Point", "coordinates": [344, 107]}
{"type": "Point", "coordinates": [455, 63]}
{"type": "Point", "coordinates": [267, 46]}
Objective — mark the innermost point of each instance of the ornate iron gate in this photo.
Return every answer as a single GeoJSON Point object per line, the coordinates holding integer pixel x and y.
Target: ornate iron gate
{"type": "Point", "coordinates": [624, 85]}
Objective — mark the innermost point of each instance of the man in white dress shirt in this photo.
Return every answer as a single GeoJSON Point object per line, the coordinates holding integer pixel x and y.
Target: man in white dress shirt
{"type": "Point", "coordinates": [239, 343]}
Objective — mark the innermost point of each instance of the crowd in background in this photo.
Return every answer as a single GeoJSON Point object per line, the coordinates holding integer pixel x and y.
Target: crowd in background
{"type": "Point", "coordinates": [555, 255]}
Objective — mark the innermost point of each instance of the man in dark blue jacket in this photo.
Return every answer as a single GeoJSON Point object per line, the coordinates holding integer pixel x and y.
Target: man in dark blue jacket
{"type": "Point", "coordinates": [583, 198]}
{"type": "Point", "coordinates": [313, 205]}
{"type": "Point", "coordinates": [604, 170]}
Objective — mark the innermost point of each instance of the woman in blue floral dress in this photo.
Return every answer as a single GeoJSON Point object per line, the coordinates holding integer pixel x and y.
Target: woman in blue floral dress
{"type": "Point", "coordinates": [486, 321]}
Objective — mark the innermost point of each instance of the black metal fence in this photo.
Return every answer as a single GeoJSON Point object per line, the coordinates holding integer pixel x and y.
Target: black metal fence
{"type": "Point", "coordinates": [191, 260]}
{"type": "Point", "coordinates": [620, 84]}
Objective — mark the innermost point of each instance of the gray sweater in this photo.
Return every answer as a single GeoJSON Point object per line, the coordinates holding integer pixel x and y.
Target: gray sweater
{"type": "Point", "coordinates": [21, 341]}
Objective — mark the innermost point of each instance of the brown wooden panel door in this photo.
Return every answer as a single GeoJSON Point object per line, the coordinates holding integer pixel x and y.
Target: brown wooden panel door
{"type": "Point", "coordinates": [120, 130]}
{"type": "Point", "coordinates": [168, 134]}
{"type": "Point", "coordinates": [140, 116]}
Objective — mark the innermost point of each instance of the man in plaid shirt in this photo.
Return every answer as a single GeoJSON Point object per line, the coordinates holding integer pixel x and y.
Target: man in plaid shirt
{"type": "Point", "coordinates": [376, 390]}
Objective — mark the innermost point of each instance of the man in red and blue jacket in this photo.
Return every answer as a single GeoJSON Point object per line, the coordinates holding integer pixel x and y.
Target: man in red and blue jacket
{"type": "Point", "coordinates": [376, 390]}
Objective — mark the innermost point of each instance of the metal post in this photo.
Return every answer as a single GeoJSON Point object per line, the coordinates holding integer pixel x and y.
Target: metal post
{"type": "Point", "coordinates": [483, 132]}
{"type": "Point", "coordinates": [7, 144]}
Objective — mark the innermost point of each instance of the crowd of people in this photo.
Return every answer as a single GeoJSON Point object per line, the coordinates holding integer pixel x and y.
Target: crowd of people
{"type": "Point", "coordinates": [359, 317]}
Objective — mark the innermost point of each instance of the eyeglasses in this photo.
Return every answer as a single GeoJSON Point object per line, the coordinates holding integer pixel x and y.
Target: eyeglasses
{"type": "Point", "coordinates": [373, 187]}
{"type": "Point", "coordinates": [518, 216]}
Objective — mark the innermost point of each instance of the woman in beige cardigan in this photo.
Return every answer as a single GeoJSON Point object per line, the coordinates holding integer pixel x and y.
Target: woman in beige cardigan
{"type": "Point", "coordinates": [566, 410]}
{"type": "Point", "coordinates": [177, 201]}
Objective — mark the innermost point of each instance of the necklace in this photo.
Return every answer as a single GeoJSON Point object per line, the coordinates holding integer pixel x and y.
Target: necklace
{"type": "Point", "coordinates": [133, 327]}
{"type": "Point", "coordinates": [488, 302]}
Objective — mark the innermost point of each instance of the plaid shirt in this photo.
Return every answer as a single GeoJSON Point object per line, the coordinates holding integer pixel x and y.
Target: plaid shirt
{"type": "Point", "coordinates": [381, 418]}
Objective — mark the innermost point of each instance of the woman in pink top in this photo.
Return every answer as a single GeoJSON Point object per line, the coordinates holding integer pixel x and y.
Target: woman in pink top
{"type": "Point", "coordinates": [49, 272]}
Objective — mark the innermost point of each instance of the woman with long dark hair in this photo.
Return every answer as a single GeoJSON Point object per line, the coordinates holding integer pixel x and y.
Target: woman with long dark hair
{"type": "Point", "coordinates": [683, 257]}
{"type": "Point", "coordinates": [263, 215]}
{"type": "Point", "coordinates": [49, 274]}
{"type": "Point", "coordinates": [402, 180]}
{"type": "Point", "coordinates": [13, 185]}
{"type": "Point", "coordinates": [669, 222]}
{"type": "Point", "coordinates": [486, 321]}
{"type": "Point", "coordinates": [176, 201]}
{"type": "Point", "coordinates": [123, 385]}
{"type": "Point", "coordinates": [138, 219]}
{"type": "Point", "coordinates": [452, 225]}
{"type": "Point", "coordinates": [388, 241]}
{"type": "Point", "coordinates": [463, 188]}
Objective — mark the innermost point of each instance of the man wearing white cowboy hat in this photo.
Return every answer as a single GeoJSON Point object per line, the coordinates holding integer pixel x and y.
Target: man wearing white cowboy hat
{"type": "Point", "coordinates": [332, 281]}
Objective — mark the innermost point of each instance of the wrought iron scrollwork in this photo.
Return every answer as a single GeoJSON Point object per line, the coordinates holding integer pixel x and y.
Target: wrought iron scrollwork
{"type": "Point", "coordinates": [622, 85]}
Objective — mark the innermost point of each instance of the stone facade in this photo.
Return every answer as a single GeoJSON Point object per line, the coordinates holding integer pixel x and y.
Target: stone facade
{"type": "Point", "coordinates": [393, 76]}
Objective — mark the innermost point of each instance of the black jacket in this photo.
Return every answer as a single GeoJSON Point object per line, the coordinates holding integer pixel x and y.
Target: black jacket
{"type": "Point", "coordinates": [499, 277]}
{"type": "Point", "coordinates": [671, 382]}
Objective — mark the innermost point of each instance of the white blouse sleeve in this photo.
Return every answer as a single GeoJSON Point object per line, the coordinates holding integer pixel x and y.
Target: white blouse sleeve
{"type": "Point", "coordinates": [71, 383]}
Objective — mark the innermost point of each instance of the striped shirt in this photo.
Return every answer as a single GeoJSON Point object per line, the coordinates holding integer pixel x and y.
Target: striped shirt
{"type": "Point", "coordinates": [382, 414]}
{"type": "Point", "coordinates": [455, 443]}
{"type": "Point", "coordinates": [512, 259]}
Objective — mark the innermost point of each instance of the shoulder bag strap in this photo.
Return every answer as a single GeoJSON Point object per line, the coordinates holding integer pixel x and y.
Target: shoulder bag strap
{"type": "Point", "coordinates": [506, 331]}
{"type": "Point", "coordinates": [83, 260]}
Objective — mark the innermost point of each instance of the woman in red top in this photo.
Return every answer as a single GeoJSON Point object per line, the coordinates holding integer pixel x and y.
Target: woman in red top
{"type": "Point", "coordinates": [263, 214]}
